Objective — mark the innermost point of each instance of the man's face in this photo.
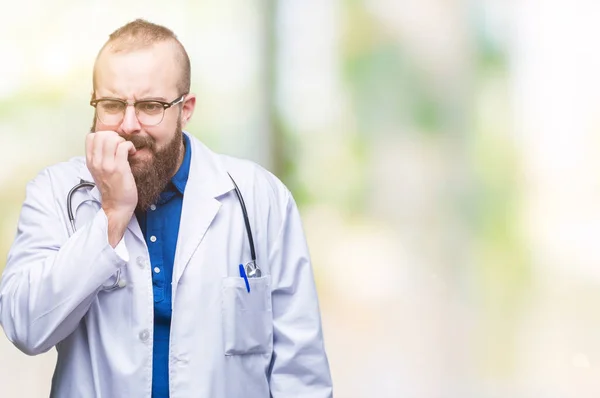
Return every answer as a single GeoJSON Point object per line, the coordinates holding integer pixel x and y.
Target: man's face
{"type": "Point", "coordinates": [149, 73]}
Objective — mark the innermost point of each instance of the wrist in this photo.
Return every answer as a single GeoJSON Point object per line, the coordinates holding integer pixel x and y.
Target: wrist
{"type": "Point", "coordinates": [117, 223]}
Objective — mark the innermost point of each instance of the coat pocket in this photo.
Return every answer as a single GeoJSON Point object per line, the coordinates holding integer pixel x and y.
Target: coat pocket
{"type": "Point", "coordinates": [247, 316]}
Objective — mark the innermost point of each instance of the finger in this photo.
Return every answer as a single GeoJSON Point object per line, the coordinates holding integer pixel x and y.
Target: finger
{"type": "Point", "coordinates": [109, 148]}
{"type": "Point", "coordinates": [132, 149]}
{"type": "Point", "coordinates": [104, 150]}
{"type": "Point", "coordinates": [124, 149]}
{"type": "Point", "coordinates": [89, 144]}
{"type": "Point", "coordinates": [97, 144]}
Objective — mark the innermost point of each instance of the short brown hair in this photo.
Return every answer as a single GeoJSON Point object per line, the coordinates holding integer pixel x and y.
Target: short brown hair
{"type": "Point", "coordinates": [141, 34]}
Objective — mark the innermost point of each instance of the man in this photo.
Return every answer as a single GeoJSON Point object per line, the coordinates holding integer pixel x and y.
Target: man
{"type": "Point", "coordinates": [143, 280]}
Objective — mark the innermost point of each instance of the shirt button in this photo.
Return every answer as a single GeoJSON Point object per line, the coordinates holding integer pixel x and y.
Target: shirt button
{"type": "Point", "coordinates": [144, 335]}
{"type": "Point", "coordinates": [141, 262]}
{"type": "Point", "coordinates": [157, 270]}
{"type": "Point", "coordinates": [152, 207]}
{"type": "Point", "coordinates": [153, 238]}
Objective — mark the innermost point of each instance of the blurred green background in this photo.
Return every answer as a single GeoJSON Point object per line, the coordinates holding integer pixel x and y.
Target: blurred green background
{"type": "Point", "coordinates": [443, 154]}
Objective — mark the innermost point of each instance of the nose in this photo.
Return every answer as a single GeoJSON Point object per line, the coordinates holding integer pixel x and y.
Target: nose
{"type": "Point", "coordinates": [130, 123]}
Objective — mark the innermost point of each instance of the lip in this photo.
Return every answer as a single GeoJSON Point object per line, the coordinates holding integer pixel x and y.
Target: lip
{"type": "Point", "coordinates": [138, 151]}
{"type": "Point", "coordinates": [139, 155]}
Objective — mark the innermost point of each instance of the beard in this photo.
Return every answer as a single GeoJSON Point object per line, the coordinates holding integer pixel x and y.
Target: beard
{"type": "Point", "coordinates": [152, 175]}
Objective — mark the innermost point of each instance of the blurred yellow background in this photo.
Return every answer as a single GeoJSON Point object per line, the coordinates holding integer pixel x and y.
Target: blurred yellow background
{"type": "Point", "coordinates": [445, 155]}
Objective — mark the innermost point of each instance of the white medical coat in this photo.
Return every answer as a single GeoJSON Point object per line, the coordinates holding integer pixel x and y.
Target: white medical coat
{"type": "Point", "coordinates": [225, 342]}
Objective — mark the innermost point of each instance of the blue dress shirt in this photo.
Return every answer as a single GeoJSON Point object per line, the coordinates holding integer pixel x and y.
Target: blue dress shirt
{"type": "Point", "coordinates": [160, 226]}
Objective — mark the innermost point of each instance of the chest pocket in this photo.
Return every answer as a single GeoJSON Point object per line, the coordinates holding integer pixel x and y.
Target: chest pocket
{"type": "Point", "coordinates": [247, 316]}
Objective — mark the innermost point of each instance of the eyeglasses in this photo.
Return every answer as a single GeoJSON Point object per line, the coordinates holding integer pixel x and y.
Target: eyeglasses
{"type": "Point", "coordinates": [111, 111]}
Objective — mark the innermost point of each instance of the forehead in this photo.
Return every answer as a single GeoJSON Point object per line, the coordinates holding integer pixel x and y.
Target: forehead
{"type": "Point", "coordinates": [150, 71]}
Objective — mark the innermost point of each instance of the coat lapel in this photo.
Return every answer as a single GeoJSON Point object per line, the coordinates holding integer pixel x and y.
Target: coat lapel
{"type": "Point", "coordinates": [207, 181]}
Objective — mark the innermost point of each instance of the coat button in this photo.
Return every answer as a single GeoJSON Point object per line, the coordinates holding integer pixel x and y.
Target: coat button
{"type": "Point", "coordinates": [144, 335]}
{"type": "Point", "coordinates": [141, 261]}
{"type": "Point", "coordinates": [153, 238]}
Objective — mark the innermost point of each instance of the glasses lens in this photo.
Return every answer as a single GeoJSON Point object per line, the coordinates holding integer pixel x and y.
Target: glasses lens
{"type": "Point", "coordinates": [110, 112]}
{"type": "Point", "coordinates": [150, 113]}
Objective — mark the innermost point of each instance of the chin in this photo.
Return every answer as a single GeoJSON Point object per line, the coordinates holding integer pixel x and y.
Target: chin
{"type": "Point", "coordinates": [140, 164]}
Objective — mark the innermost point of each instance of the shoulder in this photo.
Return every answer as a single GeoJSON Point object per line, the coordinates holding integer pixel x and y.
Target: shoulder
{"type": "Point", "coordinates": [60, 174]}
{"type": "Point", "coordinates": [263, 192]}
{"type": "Point", "coordinates": [72, 166]}
{"type": "Point", "coordinates": [70, 169]}
{"type": "Point", "coordinates": [256, 180]}
{"type": "Point", "coordinates": [50, 186]}
{"type": "Point", "coordinates": [253, 172]}
{"type": "Point", "coordinates": [249, 176]}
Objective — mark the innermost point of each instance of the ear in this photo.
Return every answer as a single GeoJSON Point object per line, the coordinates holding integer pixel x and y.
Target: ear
{"type": "Point", "coordinates": [187, 109]}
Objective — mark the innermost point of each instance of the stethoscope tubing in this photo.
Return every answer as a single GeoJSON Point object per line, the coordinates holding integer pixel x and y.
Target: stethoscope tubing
{"type": "Point", "coordinates": [83, 183]}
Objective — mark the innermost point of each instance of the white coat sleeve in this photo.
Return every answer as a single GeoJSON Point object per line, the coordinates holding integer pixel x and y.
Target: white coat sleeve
{"type": "Point", "coordinates": [50, 280]}
{"type": "Point", "coordinates": [299, 366]}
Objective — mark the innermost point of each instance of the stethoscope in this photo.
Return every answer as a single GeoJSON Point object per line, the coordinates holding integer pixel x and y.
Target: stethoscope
{"type": "Point", "coordinates": [252, 269]}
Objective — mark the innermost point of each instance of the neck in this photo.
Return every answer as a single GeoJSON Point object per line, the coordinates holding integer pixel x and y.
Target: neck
{"type": "Point", "coordinates": [181, 156]}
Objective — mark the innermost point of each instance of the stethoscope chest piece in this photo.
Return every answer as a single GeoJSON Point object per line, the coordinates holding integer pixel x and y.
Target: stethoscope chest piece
{"type": "Point", "coordinates": [252, 271]}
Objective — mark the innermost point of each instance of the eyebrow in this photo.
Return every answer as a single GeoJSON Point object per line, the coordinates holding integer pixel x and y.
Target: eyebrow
{"type": "Point", "coordinates": [162, 99]}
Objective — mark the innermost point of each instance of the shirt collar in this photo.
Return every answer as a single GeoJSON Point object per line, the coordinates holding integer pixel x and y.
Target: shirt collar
{"type": "Point", "coordinates": [180, 178]}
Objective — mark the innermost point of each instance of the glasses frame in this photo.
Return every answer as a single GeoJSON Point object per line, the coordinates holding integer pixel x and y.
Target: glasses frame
{"type": "Point", "coordinates": [165, 105]}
